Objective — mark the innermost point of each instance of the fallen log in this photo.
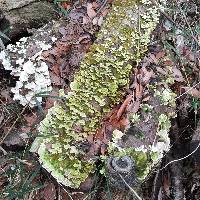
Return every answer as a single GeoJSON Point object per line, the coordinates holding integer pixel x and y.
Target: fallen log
{"type": "Point", "coordinates": [68, 141]}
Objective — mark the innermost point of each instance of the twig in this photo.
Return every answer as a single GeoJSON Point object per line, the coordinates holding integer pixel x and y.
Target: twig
{"type": "Point", "coordinates": [176, 160]}
{"type": "Point", "coordinates": [10, 129]}
{"type": "Point", "coordinates": [3, 150]}
{"type": "Point", "coordinates": [66, 192]}
{"type": "Point", "coordinates": [187, 91]}
{"type": "Point", "coordinates": [102, 6]}
{"type": "Point", "coordinates": [156, 185]}
{"type": "Point", "coordinates": [131, 189]}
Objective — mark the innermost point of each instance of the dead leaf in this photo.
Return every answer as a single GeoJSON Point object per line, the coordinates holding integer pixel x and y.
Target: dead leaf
{"type": "Point", "coordinates": [55, 79]}
{"type": "Point", "coordinates": [105, 12]}
{"type": "Point", "coordinates": [168, 62]}
{"type": "Point", "coordinates": [146, 75]}
{"type": "Point", "coordinates": [153, 58]}
{"type": "Point", "coordinates": [135, 107]}
{"type": "Point", "coordinates": [86, 20]}
{"type": "Point", "coordinates": [56, 69]}
{"type": "Point", "coordinates": [192, 91]}
{"type": "Point", "coordinates": [138, 91]}
{"type": "Point", "coordinates": [124, 106]}
{"type": "Point", "coordinates": [88, 183]}
{"type": "Point", "coordinates": [90, 11]}
{"type": "Point", "coordinates": [124, 122]}
{"type": "Point", "coordinates": [14, 139]}
{"type": "Point", "coordinates": [177, 74]}
{"type": "Point", "coordinates": [30, 119]}
{"type": "Point", "coordinates": [66, 5]}
{"type": "Point", "coordinates": [49, 192]}
{"type": "Point", "coordinates": [146, 99]}
{"type": "Point", "coordinates": [5, 94]}
{"type": "Point", "coordinates": [160, 55]}
{"type": "Point", "coordinates": [95, 5]}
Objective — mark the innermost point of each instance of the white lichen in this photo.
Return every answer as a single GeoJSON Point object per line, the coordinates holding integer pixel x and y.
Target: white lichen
{"type": "Point", "coordinates": [167, 97]}
{"type": "Point", "coordinates": [32, 71]}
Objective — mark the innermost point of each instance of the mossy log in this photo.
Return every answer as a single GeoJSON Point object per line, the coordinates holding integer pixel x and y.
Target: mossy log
{"type": "Point", "coordinates": [98, 86]}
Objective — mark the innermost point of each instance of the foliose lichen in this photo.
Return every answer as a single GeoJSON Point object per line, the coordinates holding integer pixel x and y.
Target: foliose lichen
{"type": "Point", "coordinates": [121, 44]}
{"type": "Point", "coordinates": [32, 71]}
{"type": "Point", "coordinates": [144, 156]}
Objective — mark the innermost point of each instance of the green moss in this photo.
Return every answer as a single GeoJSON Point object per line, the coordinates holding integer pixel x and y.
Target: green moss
{"type": "Point", "coordinates": [96, 88]}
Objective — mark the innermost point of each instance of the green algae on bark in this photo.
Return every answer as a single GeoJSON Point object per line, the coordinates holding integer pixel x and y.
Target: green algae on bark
{"type": "Point", "coordinates": [97, 87]}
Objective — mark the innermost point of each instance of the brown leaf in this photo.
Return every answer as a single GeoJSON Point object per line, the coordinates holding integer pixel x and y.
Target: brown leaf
{"type": "Point", "coordinates": [153, 59]}
{"type": "Point", "coordinates": [145, 99]}
{"type": "Point", "coordinates": [95, 5]}
{"type": "Point", "coordinates": [49, 192]}
{"type": "Point", "coordinates": [168, 62]}
{"type": "Point", "coordinates": [30, 119]}
{"type": "Point", "coordinates": [160, 54]}
{"type": "Point", "coordinates": [56, 80]}
{"type": "Point", "coordinates": [56, 69]}
{"type": "Point", "coordinates": [86, 20]}
{"type": "Point", "coordinates": [138, 91]}
{"type": "Point", "coordinates": [146, 75]}
{"type": "Point", "coordinates": [88, 183]}
{"type": "Point", "coordinates": [90, 11]}
{"type": "Point", "coordinates": [192, 91]}
{"type": "Point", "coordinates": [135, 107]}
{"type": "Point", "coordinates": [124, 122]}
{"type": "Point", "coordinates": [50, 101]}
{"type": "Point", "coordinates": [124, 106]}
{"type": "Point", "coordinates": [5, 94]}
{"type": "Point", "coordinates": [177, 74]}
{"type": "Point", "coordinates": [105, 12]}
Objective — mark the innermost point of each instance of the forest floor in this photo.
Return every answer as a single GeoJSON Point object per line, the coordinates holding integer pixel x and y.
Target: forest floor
{"type": "Point", "coordinates": [174, 51]}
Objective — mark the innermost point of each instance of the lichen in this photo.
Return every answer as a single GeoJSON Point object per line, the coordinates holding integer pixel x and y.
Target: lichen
{"type": "Point", "coordinates": [145, 157]}
{"type": "Point", "coordinates": [96, 88]}
{"type": "Point", "coordinates": [166, 96]}
{"type": "Point", "coordinates": [32, 71]}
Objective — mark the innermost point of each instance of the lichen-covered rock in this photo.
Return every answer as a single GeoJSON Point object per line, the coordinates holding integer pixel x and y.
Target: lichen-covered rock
{"type": "Point", "coordinates": [96, 88]}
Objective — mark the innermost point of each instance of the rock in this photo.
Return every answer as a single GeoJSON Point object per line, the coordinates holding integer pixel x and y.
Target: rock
{"type": "Point", "coordinates": [17, 16]}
